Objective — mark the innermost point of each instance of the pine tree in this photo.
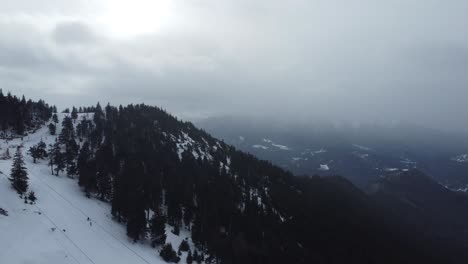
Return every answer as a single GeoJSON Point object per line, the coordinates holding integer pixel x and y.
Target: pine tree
{"type": "Point", "coordinates": [184, 246]}
{"type": "Point", "coordinates": [74, 114]}
{"type": "Point", "coordinates": [52, 129]}
{"type": "Point", "coordinates": [38, 151]}
{"type": "Point", "coordinates": [55, 118]}
{"type": "Point", "coordinates": [176, 230]}
{"type": "Point", "coordinates": [51, 153]}
{"type": "Point", "coordinates": [136, 223]}
{"type": "Point", "coordinates": [158, 230]}
{"type": "Point", "coordinates": [106, 168]}
{"type": "Point", "coordinates": [104, 184]}
{"type": "Point", "coordinates": [189, 259]}
{"type": "Point", "coordinates": [56, 158]}
{"type": "Point", "coordinates": [68, 132]}
{"type": "Point", "coordinates": [168, 254]}
{"type": "Point", "coordinates": [6, 154]}
{"type": "Point", "coordinates": [19, 175]}
{"type": "Point", "coordinates": [41, 149]}
{"type": "Point", "coordinates": [197, 257]}
{"type": "Point", "coordinates": [19, 126]}
{"type": "Point", "coordinates": [83, 158]}
{"type": "Point", "coordinates": [34, 153]}
{"type": "Point", "coordinates": [32, 197]}
{"type": "Point", "coordinates": [71, 152]}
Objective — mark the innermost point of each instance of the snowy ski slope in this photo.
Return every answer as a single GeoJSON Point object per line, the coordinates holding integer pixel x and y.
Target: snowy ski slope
{"type": "Point", "coordinates": [56, 229]}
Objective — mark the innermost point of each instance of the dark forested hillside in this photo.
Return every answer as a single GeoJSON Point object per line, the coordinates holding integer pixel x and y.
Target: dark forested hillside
{"type": "Point", "coordinates": [426, 206]}
{"type": "Point", "coordinates": [155, 169]}
{"type": "Point", "coordinates": [20, 115]}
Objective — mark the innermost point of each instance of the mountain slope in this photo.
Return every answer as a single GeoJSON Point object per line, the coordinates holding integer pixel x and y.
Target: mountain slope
{"type": "Point", "coordinates": [232, 207]}
{"type": "Point", "coordinates": [239, 209]}
{"type": "Point", "coordinates": [426, 206]}
{"type": "Point", "coordinates": [27, 231]}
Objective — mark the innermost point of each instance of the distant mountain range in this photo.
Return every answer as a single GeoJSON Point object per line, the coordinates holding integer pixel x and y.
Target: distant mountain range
{"type": "Point", "coordinates": [359, 153]}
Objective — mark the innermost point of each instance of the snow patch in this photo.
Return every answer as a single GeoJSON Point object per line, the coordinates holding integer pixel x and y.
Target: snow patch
{"type": "Point", "coordinates": [461, 158]}
{"type": "Point", "coordinates": [361, 155]}
{"type": "Point", "coordinates": [408, 161]}
{"type": "Point", "coordinates": [361, 147]}
{"type": "Point", "coordinates": [259, 147]}
{"type": "Point", "coordinates": [324, 167]}
{"type": "Point", "coordinates": [282, 147]}
{"type": "Point", "coordinates": [185, 142]}
{"type": "Point", "coordinates": [314, 152]}
{"type": "Point", "coordinates": [322, 150]}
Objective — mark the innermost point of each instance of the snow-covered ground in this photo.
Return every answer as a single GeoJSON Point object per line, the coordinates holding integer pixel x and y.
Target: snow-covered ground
{"type": "Point", "coordinates": [56, 229]}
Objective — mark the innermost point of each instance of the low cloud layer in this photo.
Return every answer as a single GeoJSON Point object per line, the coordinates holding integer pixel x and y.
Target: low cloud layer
{"type": "Point", "coordinates": [361, 61]}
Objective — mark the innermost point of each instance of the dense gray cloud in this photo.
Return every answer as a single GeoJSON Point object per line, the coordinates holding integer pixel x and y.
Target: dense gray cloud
{"type": "Point", "coordinates": [364, 61]}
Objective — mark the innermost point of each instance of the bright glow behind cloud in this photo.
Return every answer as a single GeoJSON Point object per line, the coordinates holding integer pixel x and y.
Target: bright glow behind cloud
{"type": "Point", "coordinates": [130, 18]}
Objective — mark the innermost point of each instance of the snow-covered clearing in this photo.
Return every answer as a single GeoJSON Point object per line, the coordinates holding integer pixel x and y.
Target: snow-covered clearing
{"type": "Point", "coordinates": [56, 229]}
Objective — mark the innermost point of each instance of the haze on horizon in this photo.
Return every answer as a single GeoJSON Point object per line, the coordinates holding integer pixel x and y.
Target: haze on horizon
{"type": "Point", "coordinates": [360, 61]}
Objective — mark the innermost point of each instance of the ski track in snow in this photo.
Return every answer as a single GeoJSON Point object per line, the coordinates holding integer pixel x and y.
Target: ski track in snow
{"type": "Point", "coordinates": [26, 235]}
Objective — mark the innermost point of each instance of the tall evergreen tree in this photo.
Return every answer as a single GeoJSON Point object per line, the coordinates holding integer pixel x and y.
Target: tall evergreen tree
{"type": "Point", "coordinates": [189, 259]}
{"type": "Point", "coordinates": [70, 155]}
{"type": "Point", "coordinates": [74, 114]}
{"type": "Point", "coordinates": [184, 246]}
{"type": "Point", "coordinates": [168, 254]}
{"type": "Point", "coordinates": [19, 175]}
{"type": "Point", "coordinates": [106, 167]}
{"type": "Point", "coordinates": [68, 132]}
{"type": "Point", "coordinates": [38, 151]}
{"type": "Point", "coordinates": [55, 118]}
{"type": "Point", "coordinates": [158, 230]}
{"type": "Point", "coordinates": [52, 129]}
{"type": "Point", "coordinates": [83, 157]}
{"type": "Point", "coordinates": [136, 223]}
{"type": "Point", "coordinates": [56, 158]}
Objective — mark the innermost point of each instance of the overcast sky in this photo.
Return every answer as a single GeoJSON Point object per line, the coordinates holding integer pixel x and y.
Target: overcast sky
{"type": "Point", "coordinates": [368, 60]}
